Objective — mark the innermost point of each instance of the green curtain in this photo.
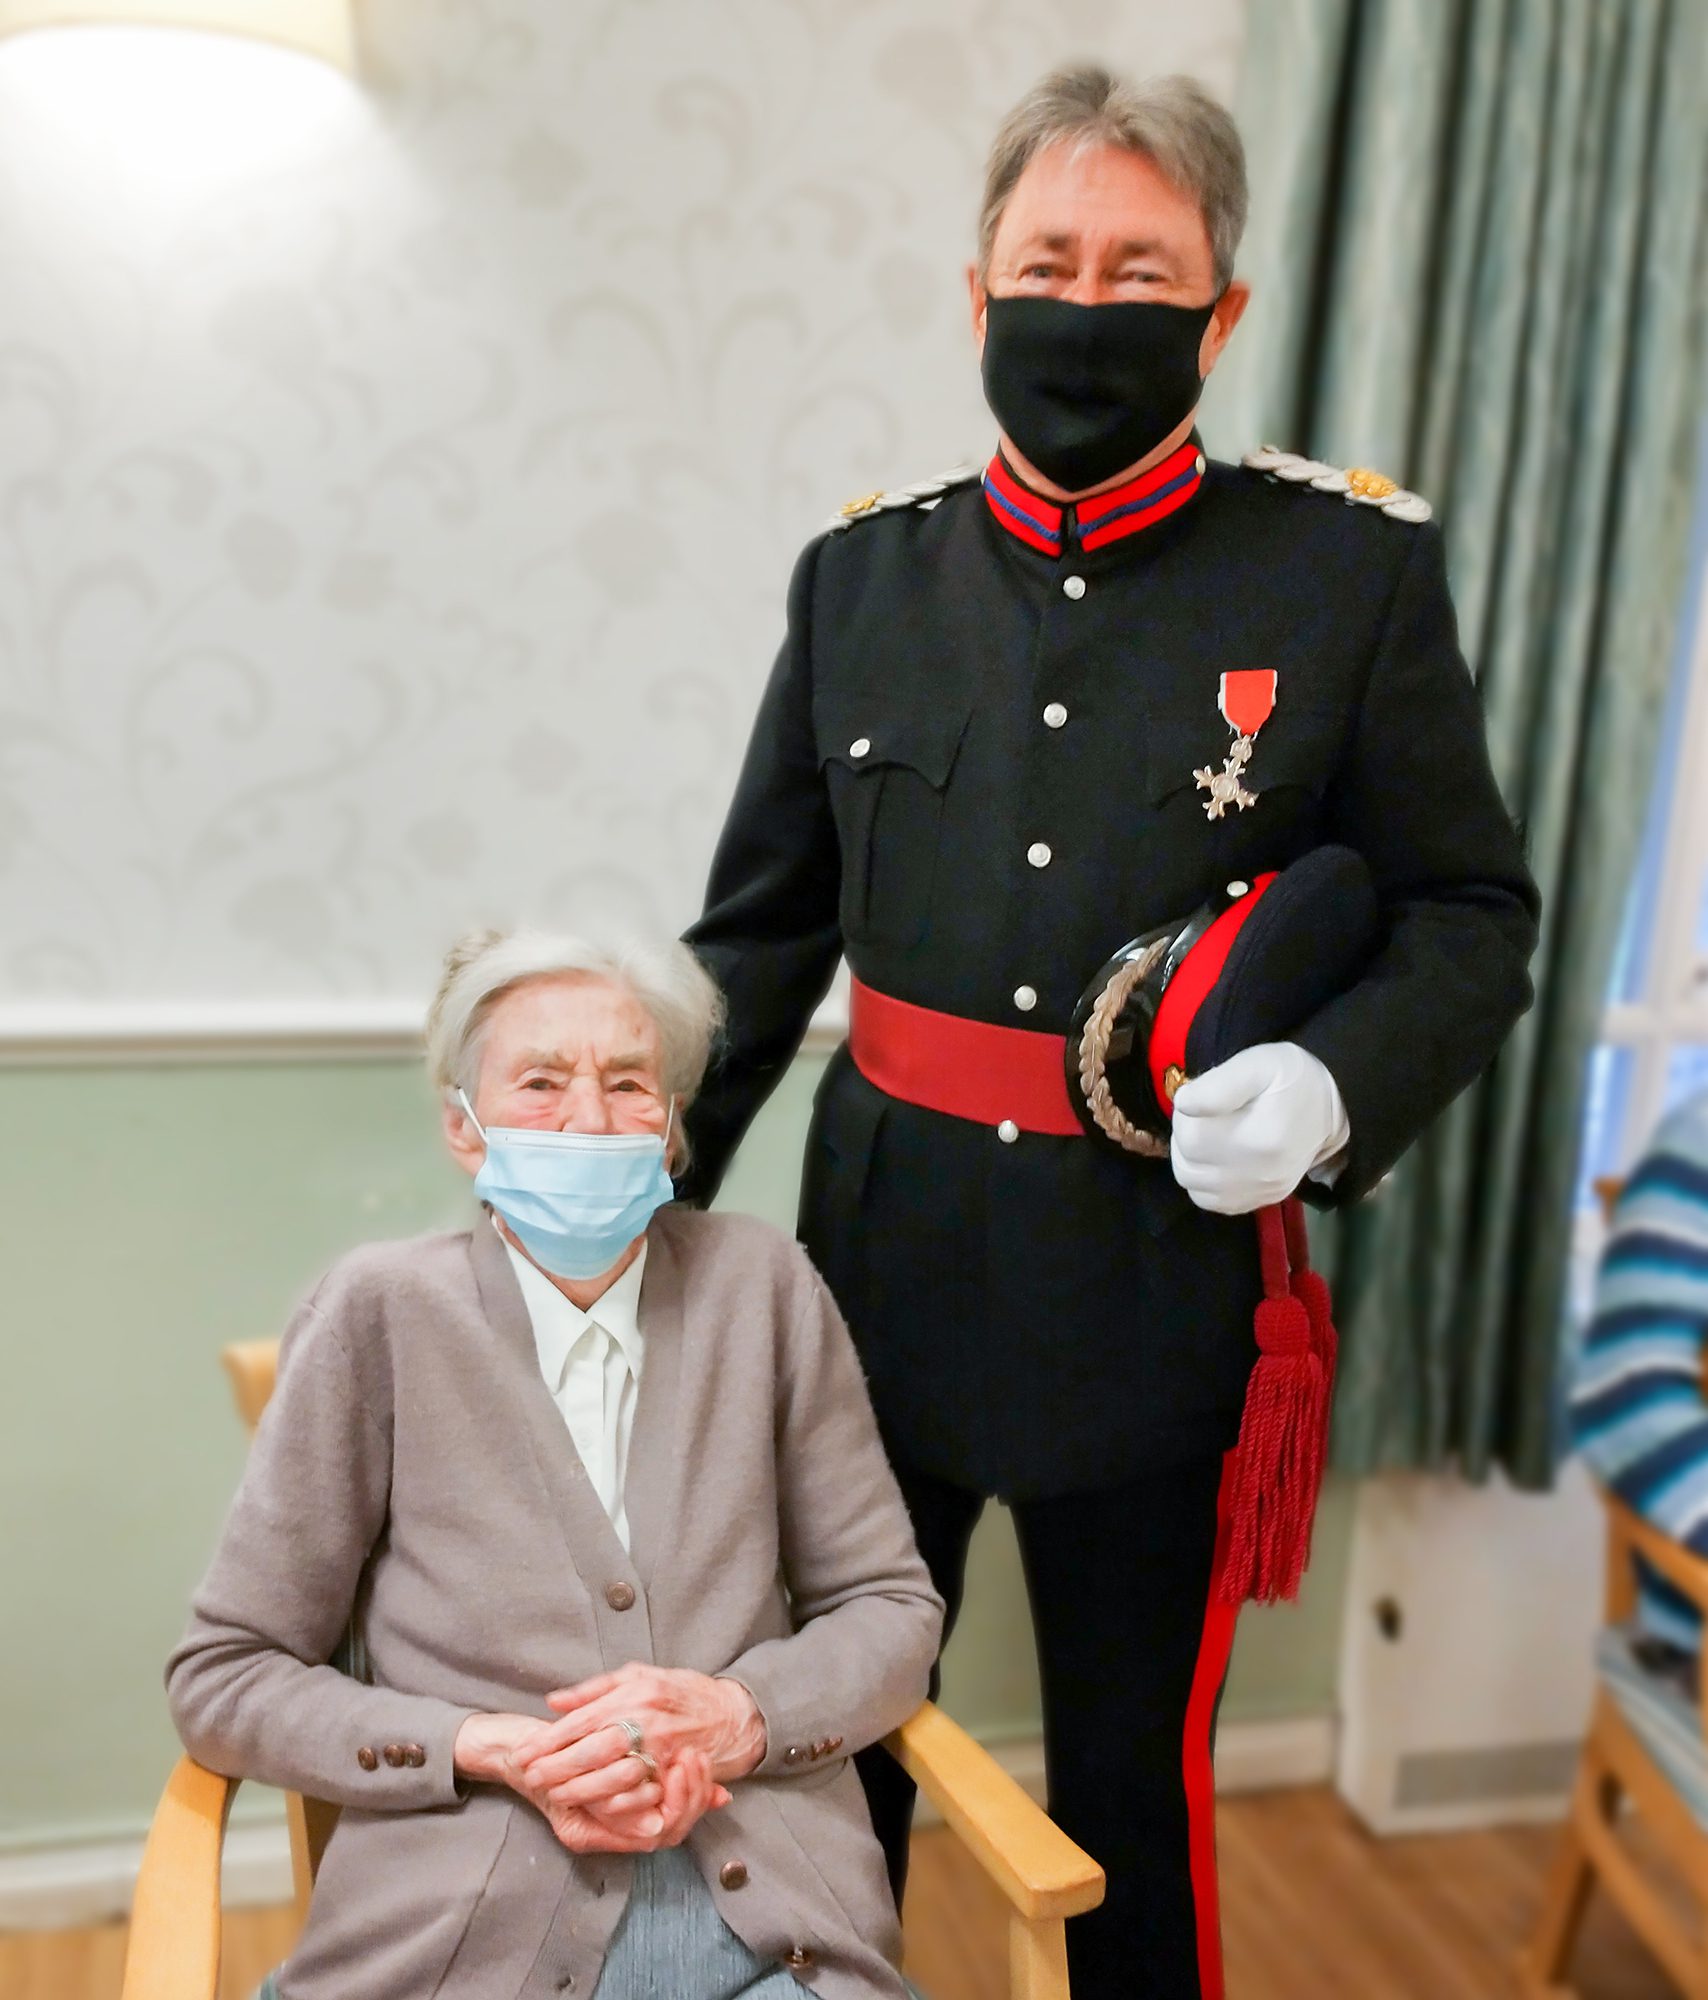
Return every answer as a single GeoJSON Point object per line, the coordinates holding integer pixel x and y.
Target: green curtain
{"type": "Point", "coordinates": [1477, 251]}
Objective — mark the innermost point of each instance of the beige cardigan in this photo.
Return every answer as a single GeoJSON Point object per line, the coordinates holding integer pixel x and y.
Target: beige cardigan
{"type": "Point", "coordinates": [413, 1472]}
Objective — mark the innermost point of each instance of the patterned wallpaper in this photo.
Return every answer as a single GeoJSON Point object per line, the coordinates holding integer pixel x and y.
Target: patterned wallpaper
{"type": "Point", "coordinates": [398, 485]}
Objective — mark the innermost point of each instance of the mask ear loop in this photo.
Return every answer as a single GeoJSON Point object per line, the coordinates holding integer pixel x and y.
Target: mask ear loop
{"type": "Point", "coordinates": [468, 1111]}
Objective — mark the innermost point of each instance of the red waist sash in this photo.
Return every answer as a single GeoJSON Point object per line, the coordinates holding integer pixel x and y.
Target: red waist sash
{"type": "Point", "coordinates": [965, 1069]}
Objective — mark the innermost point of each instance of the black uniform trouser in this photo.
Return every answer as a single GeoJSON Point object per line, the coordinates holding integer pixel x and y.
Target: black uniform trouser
{"type": "Point", "coordinates": [1132, 1652]}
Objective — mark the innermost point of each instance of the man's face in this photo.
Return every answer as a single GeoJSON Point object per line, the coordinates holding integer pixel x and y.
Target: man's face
{"type": "Point", "coordinates": [1102, 226]}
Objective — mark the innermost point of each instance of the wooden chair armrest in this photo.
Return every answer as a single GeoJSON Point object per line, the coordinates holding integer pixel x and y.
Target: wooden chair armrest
{"type": "Point", "coordinates": [173, 1953]}
{"type": "Point", "coordinates": [1684, 1570]}
{"type": "Point", "coordinates": [1040, 1871]}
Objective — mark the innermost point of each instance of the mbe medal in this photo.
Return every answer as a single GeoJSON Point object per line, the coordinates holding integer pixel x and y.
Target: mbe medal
{"type": "Point", "coordinates": [1247, 701]}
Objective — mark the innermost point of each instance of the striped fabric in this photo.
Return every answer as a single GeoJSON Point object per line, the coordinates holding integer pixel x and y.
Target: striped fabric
{"type": "Point", "coordinates": [1124, 510]}
{"type": "Point", "coordinates": [1667, 1722]}
{"type": "Point", "coordinates": [1639, 1415]}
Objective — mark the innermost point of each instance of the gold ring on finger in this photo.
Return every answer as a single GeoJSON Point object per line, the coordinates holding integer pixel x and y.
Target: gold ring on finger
{"type": "Point", "coordinates": [647, 1765]}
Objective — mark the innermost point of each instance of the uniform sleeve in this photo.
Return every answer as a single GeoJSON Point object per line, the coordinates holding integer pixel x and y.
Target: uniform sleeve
{"type": "Point", "coordinates": [769, 934]}
{"type": "Point", "coordinates": [1416, 797]}
{"type": "Point", "coordinates": [868, 1621]}
{"type": "Point", "coordinates": [1638, 1414]}
{"type": "Point", "coordinates": [249, 1686]}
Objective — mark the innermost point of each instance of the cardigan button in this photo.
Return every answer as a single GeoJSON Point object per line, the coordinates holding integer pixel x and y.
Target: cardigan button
{"type": "Point", "coordinates": [800, 1959]}
{"type": "Point", "coordinates": [733, 1874]}
{"type": "Point", "coordinates": [414, 1756]}
{"type": "Point", "coordinates": [367, 1758]}
{"type": "Point", "coordinates": [395, 1755]}
{"type": "Point", "coordinates": [620, 1596]}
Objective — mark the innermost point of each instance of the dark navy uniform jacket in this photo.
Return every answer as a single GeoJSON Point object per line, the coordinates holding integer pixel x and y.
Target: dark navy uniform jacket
{"type": "Point", "coordinates": [972, 773]}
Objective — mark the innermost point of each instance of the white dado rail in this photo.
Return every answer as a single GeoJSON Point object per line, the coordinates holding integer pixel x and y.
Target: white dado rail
{"type": "Point", "coordinates": [94, 1033]}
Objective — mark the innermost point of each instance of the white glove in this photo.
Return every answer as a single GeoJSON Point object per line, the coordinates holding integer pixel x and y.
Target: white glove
{"type": "Point", "coordinates": [1248, 1131]}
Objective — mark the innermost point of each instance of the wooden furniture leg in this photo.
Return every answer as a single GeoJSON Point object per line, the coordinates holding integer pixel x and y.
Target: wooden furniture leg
{"type": "Point", "coordinates": [1543, 1967]}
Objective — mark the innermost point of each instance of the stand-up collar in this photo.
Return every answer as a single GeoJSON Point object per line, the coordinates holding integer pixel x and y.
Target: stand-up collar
{"type": "Point", "coordinates": [1092, 524]}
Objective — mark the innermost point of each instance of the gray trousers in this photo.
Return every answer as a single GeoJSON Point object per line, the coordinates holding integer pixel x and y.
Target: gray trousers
{"type": "Point", "coordinates": [671, 1944]}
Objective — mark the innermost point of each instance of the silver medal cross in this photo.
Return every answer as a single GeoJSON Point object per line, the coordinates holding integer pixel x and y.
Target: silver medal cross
{"type": "Point", "coordinates": [1224, 785]}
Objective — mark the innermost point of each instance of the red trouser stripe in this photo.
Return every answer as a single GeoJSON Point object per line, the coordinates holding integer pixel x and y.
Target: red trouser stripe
{"type": "Point", "coordinates": [1197, 1766]}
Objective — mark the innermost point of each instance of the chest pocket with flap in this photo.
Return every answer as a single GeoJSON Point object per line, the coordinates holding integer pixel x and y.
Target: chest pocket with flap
{"type": "Point", "coordinates": [887, 771]}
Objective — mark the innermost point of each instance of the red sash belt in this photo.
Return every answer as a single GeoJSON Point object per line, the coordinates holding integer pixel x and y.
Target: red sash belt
{"type": "Point", "coordinates": [966, 1069]}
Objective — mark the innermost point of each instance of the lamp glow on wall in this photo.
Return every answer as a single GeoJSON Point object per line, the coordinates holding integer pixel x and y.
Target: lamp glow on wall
{"type": "Point", "coordinates": [324, 28]}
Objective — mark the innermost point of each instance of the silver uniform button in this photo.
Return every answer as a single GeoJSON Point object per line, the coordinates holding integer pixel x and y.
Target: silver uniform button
{"type": "Point", "coordinates": [1055, 715]}
{"type": "Point", "coordinates": [859, 746]}
{"type": "Point", "coordinates": [1008, 1131]}
{"type": "Point", "coordinates": [1074, 587]}
{"type": "Point", "coordinates": [1025, 998]}
{"type": "Point", "coordinates": [1198, 464]}
{"type": "Point", "coordinates": [1238, 889]}
{"type": "Point", "coordinates": [1039, 854]}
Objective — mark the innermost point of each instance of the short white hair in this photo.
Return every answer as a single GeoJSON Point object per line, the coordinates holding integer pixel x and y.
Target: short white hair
{"type": "Point", "coordinates": [680, 997]}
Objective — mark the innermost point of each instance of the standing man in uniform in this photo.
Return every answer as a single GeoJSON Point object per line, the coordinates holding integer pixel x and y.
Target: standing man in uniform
{"type": "Point", "coordinates": [995, 745]}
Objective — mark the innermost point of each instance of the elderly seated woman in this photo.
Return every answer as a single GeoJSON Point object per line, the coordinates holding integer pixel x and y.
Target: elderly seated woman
{"type": "Point", "coordinates": [596, 1484]}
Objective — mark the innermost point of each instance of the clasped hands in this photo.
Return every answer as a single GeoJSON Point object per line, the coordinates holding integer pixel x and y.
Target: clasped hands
{"type": "Point", "coordinates": [700, 1731]}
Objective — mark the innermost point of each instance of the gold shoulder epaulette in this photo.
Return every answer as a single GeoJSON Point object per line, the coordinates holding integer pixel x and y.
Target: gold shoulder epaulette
{"type": "Point", "coordinates": [924, 493]}
{"type": "Point", "coordinates": [1358, 486]}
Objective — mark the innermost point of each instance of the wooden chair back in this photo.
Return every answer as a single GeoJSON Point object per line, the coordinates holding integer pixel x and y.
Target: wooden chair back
{"type": "Point", "coordinates": [253, 1366]}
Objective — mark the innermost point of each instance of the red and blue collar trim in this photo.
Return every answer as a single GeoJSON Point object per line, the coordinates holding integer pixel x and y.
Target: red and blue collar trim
{"type": "Point", "coordinates": [1110, 517]}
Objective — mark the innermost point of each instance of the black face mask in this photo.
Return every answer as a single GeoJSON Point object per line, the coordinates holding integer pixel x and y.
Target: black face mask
{"type": "Point", "coordinates": [1085, 391]}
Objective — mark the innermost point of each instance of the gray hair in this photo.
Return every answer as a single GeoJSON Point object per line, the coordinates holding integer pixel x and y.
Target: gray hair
{"type": "Point", "coordinates": [679, 995]}
{"type": "Point", "coordinates": [1171, 121]}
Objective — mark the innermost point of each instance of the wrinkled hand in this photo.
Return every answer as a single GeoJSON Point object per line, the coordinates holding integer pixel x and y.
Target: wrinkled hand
{"type": "Point", "coordinates": [645, 1818]}
{"type": "Point", "coordinates": [677, 1710]}
{"type": "Point", "coordinates": [1248, 1131]}
{"type": "Point", "coordinates": [624, 1811]}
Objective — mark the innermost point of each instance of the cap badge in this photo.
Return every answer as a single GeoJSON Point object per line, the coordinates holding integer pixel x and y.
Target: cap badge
{"type": "Point", "coordinates": [1247, 701]}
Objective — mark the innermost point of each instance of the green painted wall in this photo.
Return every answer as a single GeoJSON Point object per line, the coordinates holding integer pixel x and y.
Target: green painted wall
{"type": "Point", "coordinates": [150, 1216]}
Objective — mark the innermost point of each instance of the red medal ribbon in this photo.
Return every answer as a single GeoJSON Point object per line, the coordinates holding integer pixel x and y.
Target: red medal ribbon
{"type": "Point", "coordinates": [1248, 698]}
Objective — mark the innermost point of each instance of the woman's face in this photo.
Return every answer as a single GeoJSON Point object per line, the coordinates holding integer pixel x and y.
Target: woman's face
{"type": "Point", "coordinates": [566, 1053]}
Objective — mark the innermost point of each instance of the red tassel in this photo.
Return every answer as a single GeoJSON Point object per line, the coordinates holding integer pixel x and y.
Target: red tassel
{"type": "Point", "coordinates": [1312, 1287]}
{"type": "Point", "coordinates": [1278, 1463]}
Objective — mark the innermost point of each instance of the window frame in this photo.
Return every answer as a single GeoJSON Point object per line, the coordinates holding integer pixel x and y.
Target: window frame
{"type": "Point", "coordinates": [1673, 984]}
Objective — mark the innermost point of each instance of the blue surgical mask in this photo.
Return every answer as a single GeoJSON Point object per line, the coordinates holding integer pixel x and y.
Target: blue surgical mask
{"type": "Point", "coordinates": [575, 1201]}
